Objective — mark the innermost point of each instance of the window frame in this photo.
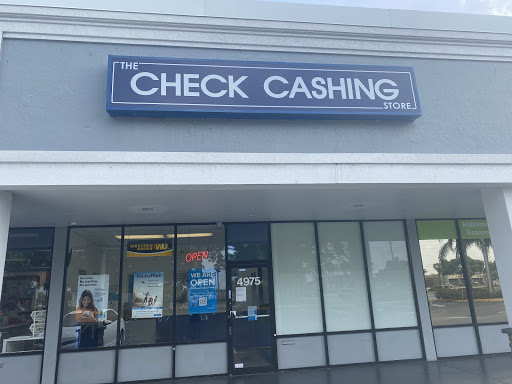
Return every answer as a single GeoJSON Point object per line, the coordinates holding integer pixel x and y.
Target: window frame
{"type": "Point", "coordinates": [118, 346]}
{"type": "Point", "coordinates": [373, 331]}
{"type": "Point", "coordinates": [467, 281]}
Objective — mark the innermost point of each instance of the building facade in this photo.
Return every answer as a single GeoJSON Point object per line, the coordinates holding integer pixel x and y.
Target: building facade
{"type": "Point", "coordinates": [175, 241]}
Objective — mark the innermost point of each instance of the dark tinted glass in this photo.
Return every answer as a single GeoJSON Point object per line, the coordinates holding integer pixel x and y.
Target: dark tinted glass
{"type": "Point", "coordinates": [25, 287]}
{"type": "Point", "coordinates": [248, 242]}
{"type": "Point", "coordinates": [30, 238]}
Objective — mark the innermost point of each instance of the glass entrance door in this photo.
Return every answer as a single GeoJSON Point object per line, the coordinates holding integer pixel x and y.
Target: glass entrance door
{"type": "Point", "coordinates": [251, 321]}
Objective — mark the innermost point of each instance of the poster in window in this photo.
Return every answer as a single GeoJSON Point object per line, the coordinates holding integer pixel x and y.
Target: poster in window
{"type": "Point", "coordinates": [202, 291]}
{"type": "Point", "coordinates": [97, 285]}
{"type": "Point", "coordinates": [148, 290]}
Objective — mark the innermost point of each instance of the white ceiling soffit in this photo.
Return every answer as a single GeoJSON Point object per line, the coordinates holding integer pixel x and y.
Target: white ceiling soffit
{"type": "Point", "coordinates": [284, 203]}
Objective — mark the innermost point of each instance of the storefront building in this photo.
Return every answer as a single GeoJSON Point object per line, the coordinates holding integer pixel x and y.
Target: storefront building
{"type": "Point", "coordinates": [223, 189]}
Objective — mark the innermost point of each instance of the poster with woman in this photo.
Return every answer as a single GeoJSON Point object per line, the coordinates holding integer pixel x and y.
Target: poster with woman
{"type": "Point", "coordinates": [97, 285]}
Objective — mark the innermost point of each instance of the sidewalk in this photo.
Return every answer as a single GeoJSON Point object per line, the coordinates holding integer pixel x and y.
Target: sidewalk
{"type": "Point", "coordinates": [492, 369]}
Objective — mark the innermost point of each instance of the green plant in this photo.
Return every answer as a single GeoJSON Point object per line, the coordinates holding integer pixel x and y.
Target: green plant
{"type": "Point", "coordinates": [460, 293]}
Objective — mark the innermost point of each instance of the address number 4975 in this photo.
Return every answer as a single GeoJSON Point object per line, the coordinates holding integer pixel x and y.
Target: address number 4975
{"type": "Point", "coordinates": [249, 281]}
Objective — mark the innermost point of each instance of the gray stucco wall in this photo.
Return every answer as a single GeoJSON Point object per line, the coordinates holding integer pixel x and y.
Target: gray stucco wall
{"type": "Point", "coordinates": [52, 97]}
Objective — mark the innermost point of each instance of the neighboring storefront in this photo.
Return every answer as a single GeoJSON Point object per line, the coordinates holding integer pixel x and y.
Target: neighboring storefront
{"type": "Point", "coordinates": [257, 194]}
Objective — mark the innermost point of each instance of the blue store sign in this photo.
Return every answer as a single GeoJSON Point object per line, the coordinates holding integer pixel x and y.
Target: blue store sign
{"type": "Point", "coordinates": [142, 86]}
{"type": "Point", "coordinates": [202, 291]}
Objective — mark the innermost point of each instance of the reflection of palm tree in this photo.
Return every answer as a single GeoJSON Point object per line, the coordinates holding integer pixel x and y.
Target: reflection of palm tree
{"type": "Point", "coordinates": [484, 245]}
{"type": "Point", "coordinates": [447, 248]}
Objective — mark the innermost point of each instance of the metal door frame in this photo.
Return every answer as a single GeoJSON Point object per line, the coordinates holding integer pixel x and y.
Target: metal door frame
{"type": "Point", "coordinates": [251, 264]}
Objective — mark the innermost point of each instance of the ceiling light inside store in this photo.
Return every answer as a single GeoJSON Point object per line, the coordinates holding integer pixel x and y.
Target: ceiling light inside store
{"type": "Point", "coordinates": [141, 237]}
{"type": "Point", "coordinates": [169, 236]}
{"type": "Point", "coordinates": [148, 209]}
{"type": "Point", "coordinates": [187, 235]}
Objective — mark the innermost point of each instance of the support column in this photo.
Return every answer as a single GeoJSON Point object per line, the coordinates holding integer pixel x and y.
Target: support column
{"type": "Point", "coordinates": [5, 219]}
{"type": "Point", "coordinates": [54, 306]}
{"type": "Point", "coordinates": [498, 211]}
{"type": "Point", "coordinates": [421, 291]}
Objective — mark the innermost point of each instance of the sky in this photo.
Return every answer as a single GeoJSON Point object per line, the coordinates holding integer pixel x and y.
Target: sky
{"type": "Point", "coordinates": [486, 7]}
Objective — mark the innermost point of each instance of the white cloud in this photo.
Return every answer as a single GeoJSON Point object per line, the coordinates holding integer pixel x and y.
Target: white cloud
{"type": "Point", "coordinates": [488, 7]}
{"type": "Point", "coordinates": [499, 7]}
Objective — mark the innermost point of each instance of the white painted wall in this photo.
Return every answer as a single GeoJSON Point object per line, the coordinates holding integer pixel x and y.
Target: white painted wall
{"type": "Point", "coordinates": [29, 169]}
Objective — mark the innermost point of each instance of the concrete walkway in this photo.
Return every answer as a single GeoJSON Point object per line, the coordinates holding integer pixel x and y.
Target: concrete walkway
{"type": "Point", "coordinates": [494, 369]}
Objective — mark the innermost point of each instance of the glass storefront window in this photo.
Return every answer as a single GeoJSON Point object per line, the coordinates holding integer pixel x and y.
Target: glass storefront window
{"type": "Point", "coordinates": [201, 284]}
{"type": "Point", "coordinates": [92, 289]}
{"type": "Point", "coordinates": [486, 289]}
{"type": "Point", "coordinates": [25, 289]}
{"type": "Point", "coordinates": [444, 278]}
{"type": "Point", "coordinates": [173, 281]}
{"type": "Point", "coordinates": [148, 285]}
{"type": "Point", "coordinates": [296, 286]}
{"type": "Point", "coordinates": [248, 242]}
{"type": "Point", "coordinates": [343, 277]}
{"type": "Point", "coordinates": [389, 273]}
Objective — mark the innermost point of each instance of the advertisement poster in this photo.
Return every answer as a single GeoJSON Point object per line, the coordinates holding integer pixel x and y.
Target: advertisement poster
{"type": "Point", "coordinates": [148, 295]}
{"type": "Point", "coordinates": [98, 285]}
{"type": "Point", "coordinates": [241, 294]}
{"type": "Point", "coordinates": [202, 291]}
{"type": "Point", "coordinates": [149, 248]}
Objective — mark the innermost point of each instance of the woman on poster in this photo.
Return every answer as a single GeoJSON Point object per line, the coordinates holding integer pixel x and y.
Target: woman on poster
{"type": "Point", "coordinates": [86, 316]}
{"type": "Point", "coordinates": [86, 311]}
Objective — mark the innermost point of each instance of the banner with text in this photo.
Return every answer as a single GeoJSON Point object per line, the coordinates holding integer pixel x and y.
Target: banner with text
{"type": "Point", "coordinates": [202, 291]}
{"type": "Point", "coordinates": [474, 229]}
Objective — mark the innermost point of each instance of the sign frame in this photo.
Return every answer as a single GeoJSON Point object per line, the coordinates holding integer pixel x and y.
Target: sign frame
{"type": "Point", "coordinates": [118, 107]}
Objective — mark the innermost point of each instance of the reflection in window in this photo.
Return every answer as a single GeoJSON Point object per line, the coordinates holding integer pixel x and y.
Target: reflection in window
{"type": "Point", "coordinates": [296, 285]}
{"type": "Point", "coordinates": [444, 278]}
{"type": "Point", "coordinates": [343, 277]}
{"type": "Point", "coordinates": [390, 277]}
{"type": "Point", "coordinates": [92, 289]}
{"type": "Point", "coordinates": [486, 288]}
{"type": "Point", "coordinates": [200, 311]}
{"type": "Point", "coordinates": [148, 285]}
{"type": "Point", "coordinates": [25, 288]}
